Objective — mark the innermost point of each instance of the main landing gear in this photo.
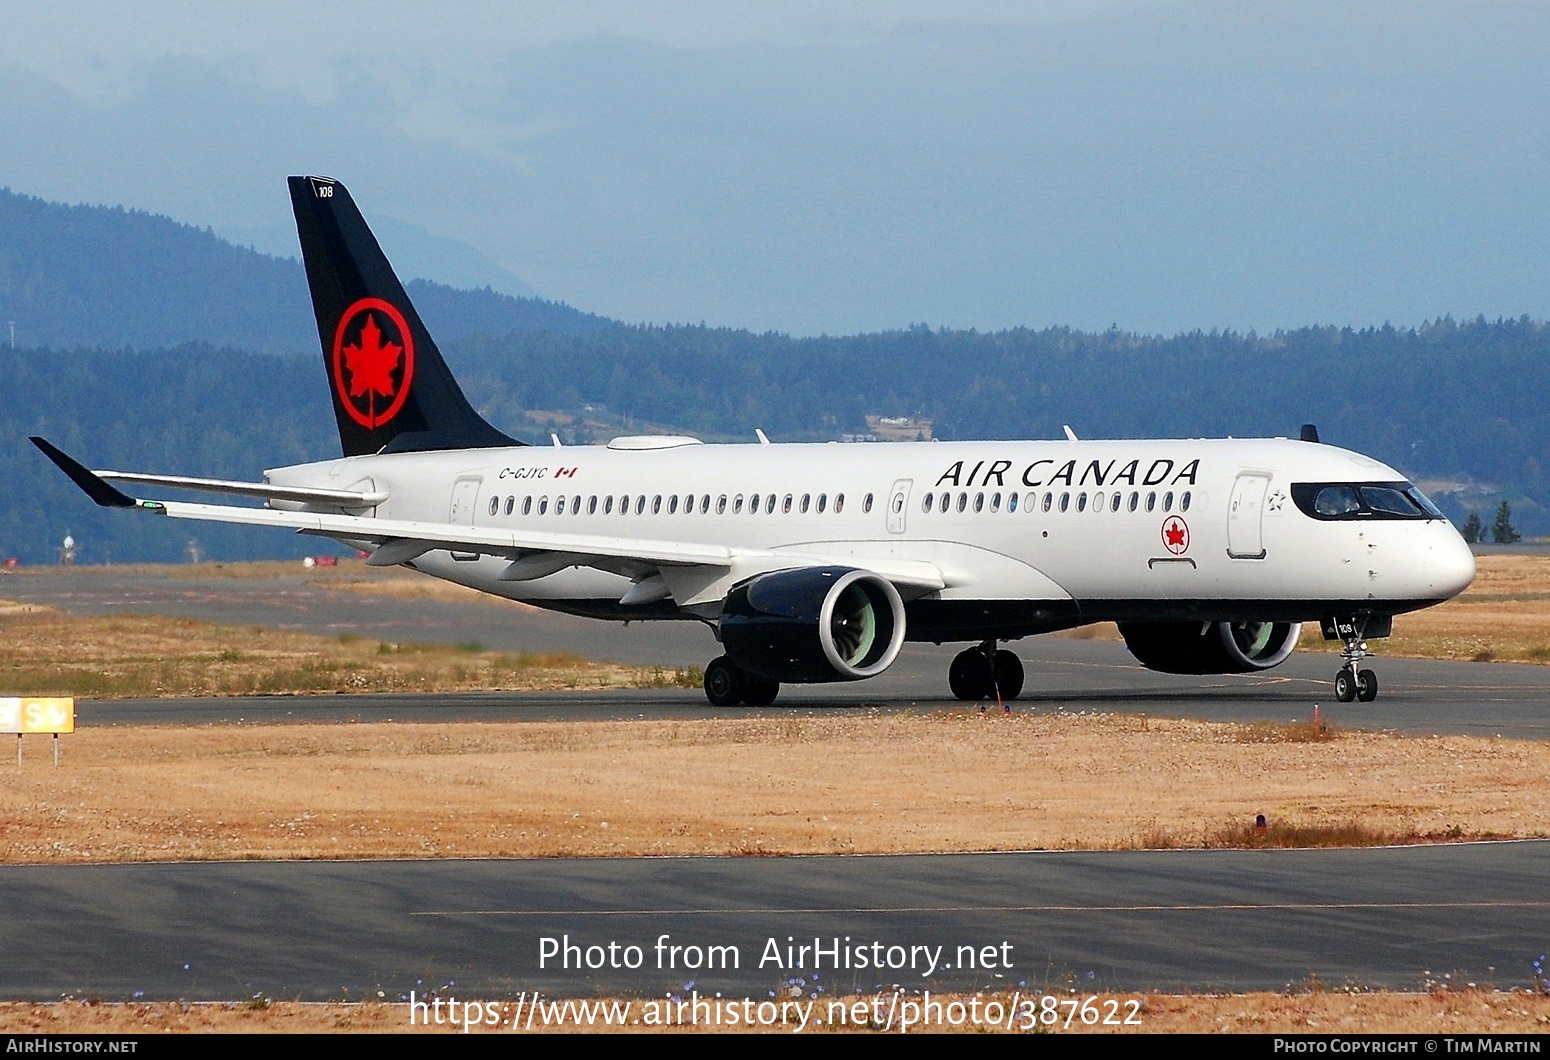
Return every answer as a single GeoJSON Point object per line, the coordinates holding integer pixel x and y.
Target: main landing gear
{"type": "Point", "coordinates": [728, 684]}
{"type": "Point", "coordinates": [1350, 682]}
{"type": "Point", "coordinates": [982, 672]}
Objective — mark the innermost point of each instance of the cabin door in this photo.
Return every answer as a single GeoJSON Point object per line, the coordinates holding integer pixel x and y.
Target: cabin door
{"type": "Point", "coordinates": [465, 494]}
{"type": "Point", "coordinates": [1245, 516]}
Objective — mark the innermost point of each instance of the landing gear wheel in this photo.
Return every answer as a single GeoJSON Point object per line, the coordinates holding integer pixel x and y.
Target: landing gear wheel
{"type": "Point", "coordinates": [725, 682]}
{"type": "Point", "coordinates": [761, 691]}
{"type": "Point", "coordinates": [1009, 675]}
{"type": "Point", "coordinates": [969, 675]}
{"type": "Point", "coordinates": [1366, 686]}
{"type": "Point", "coordinates": [1345, 686]}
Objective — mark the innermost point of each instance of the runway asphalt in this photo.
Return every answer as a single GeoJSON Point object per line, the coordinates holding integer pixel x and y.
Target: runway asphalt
{"type": "Point", "coordinates": [1417, 696]}
{"type": "Point", "coordinates": [1125, 921]}
{"type": "Point", "coordinates": [1199, 920]}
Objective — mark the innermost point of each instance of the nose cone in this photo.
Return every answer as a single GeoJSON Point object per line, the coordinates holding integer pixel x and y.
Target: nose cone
{"type": "Point", "coordinates": [1450, 565]}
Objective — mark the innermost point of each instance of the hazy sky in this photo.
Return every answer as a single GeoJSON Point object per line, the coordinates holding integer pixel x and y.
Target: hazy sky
{"type": "Point", "coordinates": [841, 166]}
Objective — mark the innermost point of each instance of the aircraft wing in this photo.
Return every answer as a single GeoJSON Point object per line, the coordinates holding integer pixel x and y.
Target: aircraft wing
{"type": "Point", "coordinates": [266, 490]}
{"type": "Point", "coordinates": [399, 540]}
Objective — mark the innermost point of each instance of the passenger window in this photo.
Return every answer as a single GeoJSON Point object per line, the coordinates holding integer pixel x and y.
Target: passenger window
{"type": "Point", "coordinates": [559, 506]}
{"type": "Point", "coordinates": [527, 505]}
{"type": "Point", "coordinates": [640, 504]}
{"type": "Point", "coordinates": [1048, 498]}
{"type": "Point", "coordinates": [1184, 501]}
{"type": "Point", "coordinates": [721, 504]}
{"type": "Point", "coordinates": [823, 502]}
{"type": "Point", "coordinates": [944, 502]}
{"type": "Point", "coordinates": [1081, 501]}
{"type": "Point", "coordinates": [1168, 501]}
{"type": "Point", "coordinates": [672, 504]}
{"type": "Point", "coordinates": [1135, 499]}
{"type": "Point", "coordinates": [543, 505]}
{"type": "Point", "coordinates": [1011, 502]}
{"type": "Point", "coordinates": [839, 503]}
{"type": "Point", "coordinates": [925, 505]}
{"type": "Point", "coordinates": [656, 504]}
{"type": "Point", "coordinates": [737, 505]}
{"type": "Point", "coordinates": [688, 504]}
{"type": "Point", "coordinates": [705, 504]}
{"type": "Point", "coordinates": [807, 500]}
{"type": "Point", "coordinates": [608, 504]}
{"type": "Point", "coordinates": [1065, 501]}
{"type": "Point", "coordinates": [785, 505]}
{"type": "Point", "coordinates": [979, 502]}
{"type": "Point", "coordinates": [1151, 500]}
{"type": "Point", "coordinates": [495, 505]}
{"type": "Point", "coordinates": [511, 505]}
{"type": "Point", "coordinates": [963, 501]}
{"type": "Point", "coordinates": [866, 504]}
{"type": "Point", "coordinates": [592, 505]}
{"type": "Point", "coordinates": [995, 502]}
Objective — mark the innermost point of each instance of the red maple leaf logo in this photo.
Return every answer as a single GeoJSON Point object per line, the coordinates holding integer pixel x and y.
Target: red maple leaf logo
{"type": "Point", "coordinates": [371, 361]}
{"type": "Point", "coordinates": [1175, 535]}
{"type": "Point", "coordinates": [363, 370]}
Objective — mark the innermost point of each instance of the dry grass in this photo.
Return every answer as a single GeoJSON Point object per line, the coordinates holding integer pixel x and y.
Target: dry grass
{"type": "Point", "coordinates": [48, 652]}
{"type": "Point", "coordinates": [1319, 1011]}
{"type": "Point", "coordinates": [778, 785]}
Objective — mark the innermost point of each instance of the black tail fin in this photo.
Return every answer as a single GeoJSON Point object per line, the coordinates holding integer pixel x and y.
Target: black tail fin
{"type": "Point", "coordinates": [392, 391]}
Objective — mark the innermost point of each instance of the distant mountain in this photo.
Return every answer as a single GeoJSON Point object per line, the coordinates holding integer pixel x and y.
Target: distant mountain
{"type": "Point", "coordinates": [97, 276]}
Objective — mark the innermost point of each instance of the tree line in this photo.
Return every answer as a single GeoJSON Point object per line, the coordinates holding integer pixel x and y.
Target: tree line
{"type": "Point", "coordinates": [1448, 402]}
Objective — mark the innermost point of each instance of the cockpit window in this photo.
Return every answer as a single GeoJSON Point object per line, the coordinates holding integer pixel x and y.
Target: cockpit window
{"type": "Point", "coordinates": [1425, 502]}
{"type": "Point", "coordinates": [1389, 501]}
{"type": "Point", "coordinates": [1363, 500]}
{"type": "Point", "coordinates": [1335, 501]}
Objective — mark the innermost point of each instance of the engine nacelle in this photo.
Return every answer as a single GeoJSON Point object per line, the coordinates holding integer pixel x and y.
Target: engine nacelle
{"type": "Point", "coordinates": [1210, 647]}
{"type": "Point", "coordinates": [814, 624]}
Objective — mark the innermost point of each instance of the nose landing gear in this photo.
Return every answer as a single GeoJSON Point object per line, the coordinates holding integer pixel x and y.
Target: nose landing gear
{"type": "Point", "coordinates": [982, 672]}
{"type": "Point", "coordinates": [1350, 682]}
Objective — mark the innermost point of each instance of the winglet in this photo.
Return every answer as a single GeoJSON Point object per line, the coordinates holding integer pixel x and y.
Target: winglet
{"type": "Point", "coordinates": [94, 487]}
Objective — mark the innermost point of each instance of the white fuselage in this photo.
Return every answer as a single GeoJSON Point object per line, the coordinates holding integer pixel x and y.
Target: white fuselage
{"type": "Point", "coordinates": [1093, 527]}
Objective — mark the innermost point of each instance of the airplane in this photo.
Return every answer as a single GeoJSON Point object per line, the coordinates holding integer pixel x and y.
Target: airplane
{"type": "Point", "coordinates": [816, 562]}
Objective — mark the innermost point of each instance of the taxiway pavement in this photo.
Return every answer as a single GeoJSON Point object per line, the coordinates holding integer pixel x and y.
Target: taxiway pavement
{"type": "Point", "coordinates": [1417, 696]}
{"type": "Point", "coordinates": [1227, 920]}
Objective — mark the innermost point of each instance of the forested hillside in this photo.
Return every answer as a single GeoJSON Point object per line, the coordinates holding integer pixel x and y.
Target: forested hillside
{"type": "Point", "coordinates": [1446, 402]}
{"type": "Point", "coordinates": [74, 276]}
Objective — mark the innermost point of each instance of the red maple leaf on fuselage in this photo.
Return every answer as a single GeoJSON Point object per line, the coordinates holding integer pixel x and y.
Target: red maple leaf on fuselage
{"type": "Point", "coordinates": [371, 362]}
{"type": "Point", "coordinates": [1175, 534]}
